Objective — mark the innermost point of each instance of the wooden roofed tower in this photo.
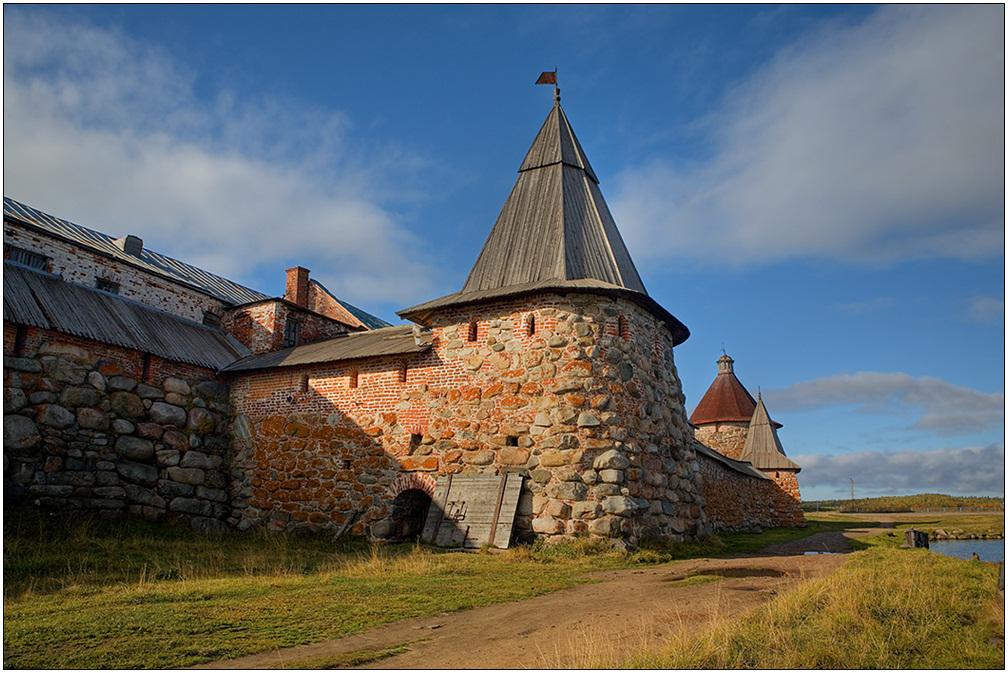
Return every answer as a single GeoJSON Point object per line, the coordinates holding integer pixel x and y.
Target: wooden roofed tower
{"type": "Point", "coordinates": [763, 450]}
{"type": "Point", "coordinates": [555, 232]}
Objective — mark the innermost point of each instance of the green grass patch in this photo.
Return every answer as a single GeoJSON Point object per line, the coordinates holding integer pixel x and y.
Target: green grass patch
{"type": "Point", "coordinates": [82, 592]}
{"type": "Point", "coordinates": [884, 608]}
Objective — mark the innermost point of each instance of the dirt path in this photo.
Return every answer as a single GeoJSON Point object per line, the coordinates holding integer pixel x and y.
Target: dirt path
{"type": "Point", "coordinates": [623, 611]}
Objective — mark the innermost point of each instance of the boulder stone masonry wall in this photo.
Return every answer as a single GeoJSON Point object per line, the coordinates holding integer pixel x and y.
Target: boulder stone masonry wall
{"type": "Point", "coordinates": [726, 437]}
{"type": "Point", "coordinates": [84, 430]}
{"type": "Point", "coordinates": [550, 387]}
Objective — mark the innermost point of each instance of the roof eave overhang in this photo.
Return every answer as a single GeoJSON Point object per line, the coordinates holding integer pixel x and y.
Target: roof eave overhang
{"type": "Point", "coordinates": [424, 313]}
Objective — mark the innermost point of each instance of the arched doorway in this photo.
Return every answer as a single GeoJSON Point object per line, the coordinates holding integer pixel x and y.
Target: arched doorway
{"type": "Point", "coordinates": [409, 513]}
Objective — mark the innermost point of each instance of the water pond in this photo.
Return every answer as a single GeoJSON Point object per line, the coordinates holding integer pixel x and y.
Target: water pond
{"type": "Point", "coordinates": [989, 550]}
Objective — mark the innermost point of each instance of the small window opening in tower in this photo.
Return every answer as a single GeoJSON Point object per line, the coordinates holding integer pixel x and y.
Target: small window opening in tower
{"type": "Point", "coordinates": [347, 464]}
{"type": "Point", "coordinates": [621, 327]}
{"type": "Point", "coordinates": [472, 331]}
{"type": "Point", "coordinates": [354, 378]}
{"type": "Point", "coordinates": [414, 442]}
{"type": "Point", "coordinates": [402, 373]}
{"type": "Point", "coordinates": [304, 383]}
{"type": "Point", "coordinates": [20, 337]}
{"type": "Point", "coordinates": [145, 367]}
{"type": "Point", "coordinates": [530, 324]}
{"type": "Point", "coordinates": [511, 440]}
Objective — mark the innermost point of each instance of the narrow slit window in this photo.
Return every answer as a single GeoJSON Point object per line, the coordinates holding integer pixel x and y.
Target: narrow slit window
{"type": "Point", "coordinates": [511, 440]}
{"type": "Point", "coordinates": [402, 373]}
{"type": "Point", "coordinates": [304, 383]}
{"type": "Point", "coordinates": [472, 331]}
{"type": "Point", "coordinates": [530, 325]}
{"type": "Point", "coordinates": [621, 327]}
{"type": "Point", "coordinates": [354, 378]}
{"type": "Point", "coordinates": [346, 464]}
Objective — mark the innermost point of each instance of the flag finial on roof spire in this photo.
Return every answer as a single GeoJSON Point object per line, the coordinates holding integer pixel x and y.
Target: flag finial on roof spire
{"type": "Point", "coordinates": [550, 78]}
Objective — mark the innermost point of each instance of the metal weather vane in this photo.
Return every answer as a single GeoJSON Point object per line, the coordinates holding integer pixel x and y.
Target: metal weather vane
{"type": "Point", "coordinates": [549, 77]}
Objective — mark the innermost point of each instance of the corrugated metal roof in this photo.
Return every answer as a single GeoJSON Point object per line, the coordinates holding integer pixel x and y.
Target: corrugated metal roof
{"type": "Point", "coordinates": [763, 449]}
{"type": "Point", "coordinates": [153, 262]}
{"type": "Point", "coordinates": [387, 341]}
{"type": "Point", "coordinates": [44, 300]}
{"type": "Point", "coordinates": [555, 223]}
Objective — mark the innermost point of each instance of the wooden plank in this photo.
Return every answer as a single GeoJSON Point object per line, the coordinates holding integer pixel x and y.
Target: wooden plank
{"type": "Point", "coordinates": [472, 510]}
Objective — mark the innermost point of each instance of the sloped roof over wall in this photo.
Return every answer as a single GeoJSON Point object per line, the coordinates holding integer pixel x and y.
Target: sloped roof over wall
{"type": "Point", "coordinates": [763, 449]}
{"type": "Point", "coordinates": [738, 466]}
{"type": "Point", "coordinates": [43, 300]}
{"type": "Point", "coordinates": [399, 340]}
{"type": "Point", "coordinates": [555, 232]}
{"type": "Point", "coordinates": [150, 261]}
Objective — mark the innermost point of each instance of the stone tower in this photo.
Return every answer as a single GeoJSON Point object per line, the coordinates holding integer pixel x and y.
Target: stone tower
{"type": "Point", "coordinates": [569, 361]}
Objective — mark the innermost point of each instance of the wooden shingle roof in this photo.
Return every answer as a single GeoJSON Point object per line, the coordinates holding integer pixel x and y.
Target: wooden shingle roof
{"type": "Point", "coordinates": [555, 225]}
{"type": "Point", "coordinates": [763, 448]}
{"type": "Point", "coordinates": [38, 299]}
{"type": "Point", "coordinates": [398, 340]}
{"type": "Point", "coordinates": [554, 233]}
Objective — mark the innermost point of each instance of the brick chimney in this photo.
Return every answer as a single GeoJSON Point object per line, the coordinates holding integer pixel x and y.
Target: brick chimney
{"type": "Point", "coordinates": [297, 286]}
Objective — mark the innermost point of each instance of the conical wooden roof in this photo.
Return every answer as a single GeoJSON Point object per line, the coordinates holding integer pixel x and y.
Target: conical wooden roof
{"type": "Point", "coordinates": [555, 225]}
{"type": "Point", "coordinates": [763, 448]}
{"type": "Point", "coordinates": [726, 399]}
{"type": "Point", "coordinates": [554, 233]}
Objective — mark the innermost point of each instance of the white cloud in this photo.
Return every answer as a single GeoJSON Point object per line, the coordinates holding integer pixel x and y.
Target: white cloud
{"type": "Point", "coordinates": [965, 471]}
{"type": "Point", "coordinates": [876, 142]}
{"type": "Point", "coordinates": [943, 408]}
{"type": "Point", "coordinates": [108, 132]}
{"type": "Point", "coordinates": [987, 310]}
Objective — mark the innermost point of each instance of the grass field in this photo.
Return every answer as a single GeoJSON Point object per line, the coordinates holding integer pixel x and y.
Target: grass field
{"type": "Point", "coordinates": [885, 608]}
{"type": "Point", "coordinates": [82, 593]}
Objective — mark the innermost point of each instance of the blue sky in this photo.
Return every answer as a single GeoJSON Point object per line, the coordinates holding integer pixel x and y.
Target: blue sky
{"type": "Point", "coordinates": [818, 189]}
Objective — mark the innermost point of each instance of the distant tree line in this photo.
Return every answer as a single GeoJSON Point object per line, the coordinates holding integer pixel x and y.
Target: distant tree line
{"type": "Point", "coordinates": [906, 503]}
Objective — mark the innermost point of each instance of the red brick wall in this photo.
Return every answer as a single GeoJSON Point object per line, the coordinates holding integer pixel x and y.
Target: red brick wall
{"type": "Point", "coordinates": [260, 327]}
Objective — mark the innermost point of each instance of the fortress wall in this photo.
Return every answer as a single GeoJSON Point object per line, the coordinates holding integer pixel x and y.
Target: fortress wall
{"type": "Point", "coordinates": [736, 501]}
